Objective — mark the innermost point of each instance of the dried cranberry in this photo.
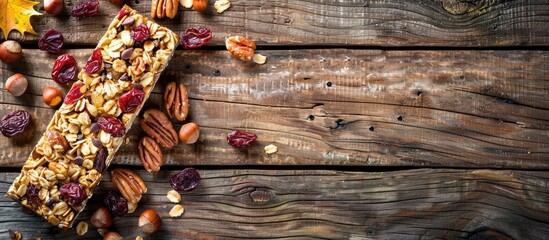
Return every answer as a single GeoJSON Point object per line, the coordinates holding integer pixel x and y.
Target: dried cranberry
{"type": "Point", "coordinates": [73, 193]}
{"type": "Point", "coordinates": [195, 37]}
{"type": "Point", "coordinates": [51, 41]}
{"type": "Point", "coordinates": [100, 163]}
{"type": "Point", "coordinates": [64, 69]}
{"type": "Point", "coordinates": [32, 195]}
{"type": "Point", "coordinates": [186, 180]}
{"type": "Point", "coordinates": [95, 63]}
{"type": "Point", "coordinates": [123, 12]}
{"type": "Point", "coordinates": [15, 123]}
{"type": "Point", "coordinates": [240, 138]}
{"type": "Point", "coordinates": [131, 100]}
{"type": "Point", "coordinates": [116, 204]}
{"type": "Point", "coordinates": [75, 93]}
{"type": "Point", "coordinates": [86, 8]}
{"type": "Point", "coordinates": [111, 125]}
{"type": "Point", "coordinates": [140, 33]}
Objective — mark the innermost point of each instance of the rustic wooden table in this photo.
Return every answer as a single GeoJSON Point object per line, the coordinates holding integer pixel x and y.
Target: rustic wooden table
{"type": "Point", "coordinates": [423, 119]}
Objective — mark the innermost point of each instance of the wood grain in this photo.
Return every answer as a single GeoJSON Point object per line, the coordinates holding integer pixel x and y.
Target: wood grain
{"type": "Point", "coordinates": [339, 107]}
{"type": "Point", "coordinates": [342, 23]}
{"type": "Point", "coordinates": [256, 204]}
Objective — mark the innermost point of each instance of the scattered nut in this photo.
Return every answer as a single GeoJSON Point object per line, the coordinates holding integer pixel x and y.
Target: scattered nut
{"type": "Point", "coordinates": [240, 47]}
{"type": "Point", "coordinates": [157, 125]}
{"type": "Point", "coordinates": [112, 236]}
{"type": "Point", "coordinates": [10, 51]}
{"type": "Point", "coordinates": [164, 8]}
{"type": "Point", "coordinates": [132, 207]}
{"type": "Point", "coordinates": [54, 6]}
{"type": "Point", "coordinates": [174, 196]}
{"type": "Point", "coordinates": [186, 3]}
{"type": "Point", "coordinates": [57, 141]}
{"type": "Point", "coordinates": [129, 184]}
{"type": "Point", "coordinates": [177, 210]}
{"type": "Point", "coordinates": [15, 235]}
{"type": "Point", "coordinates": [150, 154]}
{"type": "Point", "coordinates": [81, 228]}
{"type": "Point", "coordinates": [200, 5]}
{"type": "Point", "coordinates": [222, 5]}
{"type": "Point", "coordinates": [102, 231]}
{"type": "Point", "coordinates": [138, 238]}
{"type": "Point", "coordinates": [189, 132]}
{"type": "Point", "coordinates": [17, 84]}
{"type": "Point", "coordinates": [101, 218]}
{"type": "Point", "coordinates": [52, 96]}
{"type": "Point", "coordinates": [259, 59]}
{"type": "Point", "coordinates": [149, 221]}
{"type": "Point", "coordinates": [176, 101]}
{"type": "Point", "coordinates": [270, 149]}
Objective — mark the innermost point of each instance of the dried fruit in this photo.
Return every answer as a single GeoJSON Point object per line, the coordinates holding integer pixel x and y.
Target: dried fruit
{"type": "Point", "coordinates": [51, 41]}
{"type": "Point", "coordinates": [240, 138]}
{"type": "Point", "coordinates": [57, 141]}
{"type": "Point", "coordinates": [189, 132]}
{"type": "Point", "coordinates": [76, 93]}
{"type": "Point", "coordinates": [156, 124]}
{"type": "Point", "coordinates": [129, 184]}
{"type": "Point", "coordinates": [176, 211]}
{"type": "Point", "coordinates": [100, 160]}
{"type": "Point", "coordinates": [149, 221]}
{"type": "Point", "coordinates": [10, 51]}
{"type": "Point", "coordinates": [64, 69]}
{"type": "Point", "coordinates": [17, 84]}
{"type": "Point", "coordinates": [111, 125]}
{"type": "Point", "coordinates": [15, 123]}
{"type": "Point", "coordinates": [174, 196]}
{"type": "Point", "coordinates": [95, 63]}
{"type": "Point", "coordinates": [82, 228]}
{"type": "Point", "coordinates": [176, 101]}
{"type": "Point", "coordinates": [200, 5]}
{"type": "Point", "coordinates": [101, 218]}
{"type": "Point", "coordinates": [140, 33]}
{"type": "Point", "coordinates": [52, 96]}
{"type": "Point", "coordinates": [150, 154]}
{"type": "Point", "coordinates": [116, 204]}
{"type": "Point", "coordinates": [73, 193]}
{"type": "Point", "coordinates": [186, 180]}
{"type": "Point", "coordinates": [33, 196]}
{"type": "Point", "coordinates": [195, 37]}
{"type": "Point", "coordinates": [131, 100]}
{"type": "Point", "coordinates": [85, 8]}
{"type": "Point", "coordinates": [54, 6]}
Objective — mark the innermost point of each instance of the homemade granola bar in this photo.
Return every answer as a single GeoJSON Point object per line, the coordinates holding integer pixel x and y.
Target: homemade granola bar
{"type": "Point", "coordinates": [80, 142]}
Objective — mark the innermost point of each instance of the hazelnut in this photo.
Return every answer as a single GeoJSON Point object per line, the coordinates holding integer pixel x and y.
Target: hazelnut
{"type": "Point", "coordinates": [101, 218]}
{"type": "Point", "coordinates": [189, 132]}
{"type": "Point", "coordinates": [10, 51]}
{"type": "Point", "coordinates": [54, 6]}
{"type": "Point", "coordinates": [117, 3]}
{"type": "Point", "coordinates": [17, 84]}
{"type": "Point", "coordinates": [149, 221]}
{"type": "Point", "coordinates": [52, 96]}
{"type": "Point", "coordinates": [200, 5]}
{"type": "Point", "coordinates": [112, 236]}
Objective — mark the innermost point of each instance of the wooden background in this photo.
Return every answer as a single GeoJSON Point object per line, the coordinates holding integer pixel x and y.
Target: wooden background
{"type": "Point", "coordinates": [423, 119]}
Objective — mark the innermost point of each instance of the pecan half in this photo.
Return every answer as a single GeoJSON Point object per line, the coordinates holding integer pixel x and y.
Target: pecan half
{"type": "Point", "coordinates": [157, 125]}
{"type": "Point", "coordinates": [150, 154]}
{"type": "Point", "coordinates": [240, 47]}
{"type": "Point", "coordinates": [176, 101]}
{"type": "Point", "coordinates": [129, 184]}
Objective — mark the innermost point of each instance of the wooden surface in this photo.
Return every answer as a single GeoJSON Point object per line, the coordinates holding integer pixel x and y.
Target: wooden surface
{"type": "Point", "coordinates": [384, 129]}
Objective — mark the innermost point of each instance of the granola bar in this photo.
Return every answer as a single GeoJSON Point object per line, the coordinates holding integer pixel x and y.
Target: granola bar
{"type": "Point", "coordinates": [81, 140]}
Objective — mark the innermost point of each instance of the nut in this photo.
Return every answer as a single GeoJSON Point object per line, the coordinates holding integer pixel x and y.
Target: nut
{"type": "Point", "coordinates": [164, 8]}
{"type": "Point", "coordinates": [52, 96]}
{"type": "Point", "coordinates": [82, 228]}
{"type": "Point", "coordinates": [112, 236]}
{"type": "Point", "coordinates": [176, 211]}
{"type": "Point", "coordinates": [102, 231]}
{"type": "Point", "coordinates": [17, 84]}
{"type": "Point", "coordinates": [10, 51]}
{"type": "Point", "coordinates": [54, 6]}
{"type": "Point", "coordinates": [200, 5]}
{"type": "Point", "coordinates": [150, 154]}
{"type": "Point", "coordinates": [57, 141]}
{"type": "Point", "coordinates": [156, 124]}
{"type": "Point", "coordinates": [117, 3]}
{"type": "Point", "coordinates": [14, 235]}
{"type": "Point", "coordinates": [186, 3]}
{"type": "Point", "coordinates": [240, 47]}
{"type": "Point", "coordinates": [101, 218]}
{"type": "Point", "coordinates": [149, 221]}
{"type": "Point", "coordinates": [132, 207]}
{"type": "Point", "coordinates": [270, 149]}
{"type": "Point", "coordinates": [174, 196]}
{"type": "Point", "coordinates": [189, 132]}
{"type": "Point", "coordinates": [129, 184]}
{"type": "Point", "coordinates": [259, 59]}
{"type": "Point", "coordinates": [176, 101]}
{"type": "Point", "coordinates": [222, 5]}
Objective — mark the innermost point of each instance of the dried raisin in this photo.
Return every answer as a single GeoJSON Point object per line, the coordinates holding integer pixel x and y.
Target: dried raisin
{"type": "Point", "coordinates": [140, 33]}
{"type": "Point", "coordinates": [15, 123]}
{"type": "Point", "coordinates": [131, 100]}
{"type": "Point", "coordinates": [111, 125]}
{"type": "Point", "coordinates": [51, 41]}
{"type": "Point", "coordinates": [240, 138]}
{"type": "Point", "coordinates": [195, 37]}
{"type": "Point", "coordinates": [186, 180]}
{"type": "Point", "coordinates": [76, 93]}
{"type": "Point", "coordinates": [86, 8]}
{"type": "Point", "coordinates": [116, 204]}
{"type": "Point", "coordinates": [100, 163]}
{"type": "Point", "coordinates": [73, 193]}
{"type": "Point", "coordinates": [64, 69]}
{"type": "Point", "coordinates": [95, 63]}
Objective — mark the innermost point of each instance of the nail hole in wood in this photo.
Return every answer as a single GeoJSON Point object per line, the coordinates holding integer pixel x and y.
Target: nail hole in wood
{"type": "Point", "coordinates": [311, 118]}
{"type": "Point", "coordinates": [306, 78]}
{"type": "Point", "coordinates": [399, 118]}
{"type": "Point", "coordinates": [287, 20]}
{"type": "Point", "coordinates": [329, 84]}
{"type": "Point", "coordinates": [418, 93]}
{"type": "Point", "coordinates": [187, 67]}
{"type": "Point", "coordinates": [461, 77]}
{"type": "Point", "coordinates": [371, 128]}
{"type": "Point", "coordinates": [136, 1]}
{"type": "Point", "coordinates": [216, 72]}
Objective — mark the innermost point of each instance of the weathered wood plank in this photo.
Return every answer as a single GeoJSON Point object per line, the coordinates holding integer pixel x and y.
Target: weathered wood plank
{"type": "Point", "coordinates": [383, 108]}
{"type": "Point", "coordinates": [258, 204]}
{"type": "Point", "coordinates": [357, 22]}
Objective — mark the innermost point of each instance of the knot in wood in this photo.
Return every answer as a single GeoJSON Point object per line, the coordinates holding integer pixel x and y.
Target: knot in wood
{"type": "Point", "coordinates": [261, 195]}
{"type": "Point", "coordinates": [458, 7]}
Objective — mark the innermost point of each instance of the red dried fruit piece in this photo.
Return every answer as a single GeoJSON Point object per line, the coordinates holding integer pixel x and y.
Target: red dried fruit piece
{"type": "Point", "coordinates": [131, 100]}
{"type": "Point", "coordinates": [32, 196]}
{"type": "Point", "coordinates": [195, 37]}
{"type": "Point", "coordinates": [140, 33]}
{"type": "Point", "coordinates": [15, 123]}
{"type": "Point", "coordinates": [186, 180]}
{"type": "Point", "coordinates": [76, 93]}
{"type": "Point", "coordinates": [51, 41]}
{"type": "Point", "coordinates": [73, 193]}
{"type": "Point", "coordinates": [95, 63]}
{"type": "Point", "coordinates": [111, 125]}
{"type": "Point", "coordinates": [64, 69]}
{"type": "Point", "coordinates": [85, 8]}
{"type": "Point", "coordinates": [116, 204]}
{"type": "Point", "coordinates": [123, 12]}
{"type": "Point", "coordinates": [240, 138]}
{"type": "Point", "coordinates": [100, 160]}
